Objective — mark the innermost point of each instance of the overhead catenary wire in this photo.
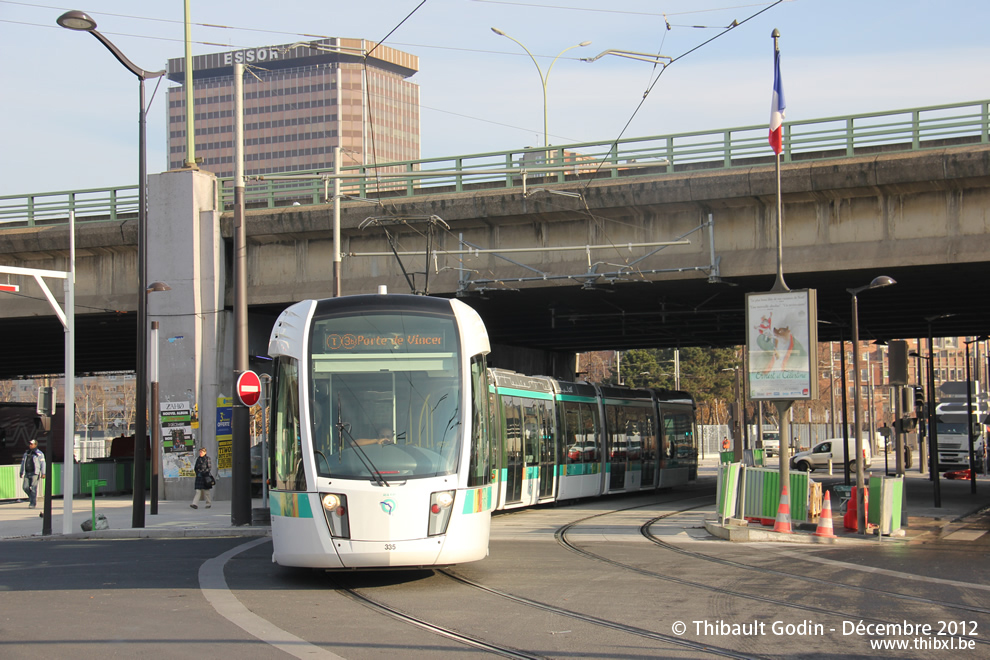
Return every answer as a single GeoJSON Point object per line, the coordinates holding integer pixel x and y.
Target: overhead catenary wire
{"type": "Point", "coordinates": [649, 89]}
{"type": "Point", "coordinates": [616, 11]}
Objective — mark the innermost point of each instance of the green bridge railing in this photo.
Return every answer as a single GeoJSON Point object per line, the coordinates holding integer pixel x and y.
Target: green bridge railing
{"type": "Point", "coordinates": [915, 129]}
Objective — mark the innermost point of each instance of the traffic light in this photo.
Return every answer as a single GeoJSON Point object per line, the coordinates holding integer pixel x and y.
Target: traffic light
{"type": "Point", "coordinates": [46, 406]}
{"type": "Point", "coordinates": [906, 424]}
{"type": "Point", "coordinates": [907, 400]}
{"type": "Point", "coordinates": [897, 361]}
{"type": "Point", "coordinates": [46, 401]}
{"type": "Point", "coordinates": [919, 402]}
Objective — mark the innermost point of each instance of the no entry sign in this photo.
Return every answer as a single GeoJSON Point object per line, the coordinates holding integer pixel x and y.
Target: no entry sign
{"type": "Point", "coordinates": [248, 388]}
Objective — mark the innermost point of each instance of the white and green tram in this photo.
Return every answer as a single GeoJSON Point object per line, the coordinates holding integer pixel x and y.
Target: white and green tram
{"type": "Point", "coordinates": [392, 442]}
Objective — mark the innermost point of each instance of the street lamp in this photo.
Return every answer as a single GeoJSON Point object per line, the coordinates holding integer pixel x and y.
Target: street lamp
{"type": "Point", "coordinates": [930, 423]}
{"type": "Point", "coordinates": [877, 282]}
{"type": "Point", "coordinates": [543, 77]}
{"type": "Point", "coordinates": [77, 20]}
{"type": "Point", "coordinates": [156, 436]}
{"type": "Point", "coordinates": [932, 417]}
{"type": "Point", "coordinates": [738, 417]}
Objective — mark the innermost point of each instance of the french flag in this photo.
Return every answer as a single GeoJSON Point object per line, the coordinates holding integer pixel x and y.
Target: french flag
{"type": "Point", "coordinates": [777, 107]}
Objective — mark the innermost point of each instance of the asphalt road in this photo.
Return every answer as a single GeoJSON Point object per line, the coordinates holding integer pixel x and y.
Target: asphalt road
{"type": "Point", "coordinates": [610, 593]}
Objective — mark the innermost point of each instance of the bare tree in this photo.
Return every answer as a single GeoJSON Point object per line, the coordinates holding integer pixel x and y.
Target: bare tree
{"type": "Point", "coordinates": [7, 388]}
{"type": "Point", "coordinates": [597, 366]}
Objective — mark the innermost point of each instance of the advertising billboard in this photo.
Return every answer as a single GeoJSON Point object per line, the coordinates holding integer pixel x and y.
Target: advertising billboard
{"type": "Point", "coordinates": [782, 342]}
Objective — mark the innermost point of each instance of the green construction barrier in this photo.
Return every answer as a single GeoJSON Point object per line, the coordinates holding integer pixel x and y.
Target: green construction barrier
{"type": "Point", "coordinates": [9, 482]}
{"type": "Point", "coordinates": [763, 494]}
{"type": "Point", "coordinates": [886, 503]}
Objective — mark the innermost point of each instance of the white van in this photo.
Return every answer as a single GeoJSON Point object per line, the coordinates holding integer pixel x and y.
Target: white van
{"type": "Point", "coordinates": [832, 449]}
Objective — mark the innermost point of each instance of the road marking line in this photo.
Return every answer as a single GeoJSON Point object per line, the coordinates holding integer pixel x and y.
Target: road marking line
{"type": "Point", "coordinates": [965, 535]}
{"type": "Point", "coordinates": [885, 571]}
{"type": "Point", "coordinates": [214, 588]}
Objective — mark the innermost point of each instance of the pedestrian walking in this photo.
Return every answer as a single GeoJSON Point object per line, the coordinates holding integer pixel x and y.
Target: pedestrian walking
{"type": "Point", "coordinates": [204, 479]}
{"type": "Point", "coordinates": [32, 469]}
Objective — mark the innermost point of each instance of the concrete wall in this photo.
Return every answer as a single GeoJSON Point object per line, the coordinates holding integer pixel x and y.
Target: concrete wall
{"type": "Point", "coordinates": [186, 251]}
{"type": "Point", "coordinates": [887, 210]}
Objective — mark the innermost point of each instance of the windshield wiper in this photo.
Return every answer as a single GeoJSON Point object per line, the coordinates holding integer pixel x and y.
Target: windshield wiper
{"type": "Point", "coordinates": [344, 430]}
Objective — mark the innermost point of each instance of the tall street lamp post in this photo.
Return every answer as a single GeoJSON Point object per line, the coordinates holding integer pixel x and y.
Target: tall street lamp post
{"type": "Point", "coordinates": [77, 20]}
{"type": "Point", "coordinates": [932, 439]}
{"type": "Point", "coordinates": [543, 76]}
{"type": "Point", "coordinates": [969, 414]}
{"type": "Point", "coordinates": [156, 436]}
{"type": "Point", "coordinates": [932, 417]}
{"type": "Point", "coordinates": [877, 282]}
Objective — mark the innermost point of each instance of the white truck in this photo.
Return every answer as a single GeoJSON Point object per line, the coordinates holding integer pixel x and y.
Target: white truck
{"type": "Point", "coordinates": [952, 424]}
{"type": "Point", "coordinates": [771, 443]}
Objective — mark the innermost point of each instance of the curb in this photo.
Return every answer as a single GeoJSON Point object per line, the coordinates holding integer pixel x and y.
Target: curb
{"type": "Point", "coordinates": [742, 533]}
{"type": "Point", "coordinates": [245, 531]}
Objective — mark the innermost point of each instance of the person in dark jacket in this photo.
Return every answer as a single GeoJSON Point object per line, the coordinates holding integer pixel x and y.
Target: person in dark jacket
{"type": "Point", "coordinates": [32, 469]}
{"type": "Point", "coordinates": [203, 469]}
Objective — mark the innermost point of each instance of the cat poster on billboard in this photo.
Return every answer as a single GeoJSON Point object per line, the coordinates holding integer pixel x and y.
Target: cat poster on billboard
{"type": "Point", "coordinates": [782, 342]}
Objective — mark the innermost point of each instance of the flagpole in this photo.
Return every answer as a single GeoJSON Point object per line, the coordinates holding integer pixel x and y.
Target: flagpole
{"type": "Point", "coordinates": [779, 285]}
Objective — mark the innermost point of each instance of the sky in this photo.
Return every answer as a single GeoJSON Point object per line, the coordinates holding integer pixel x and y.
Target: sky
{"type": "Point", "coordinates": [70, 111]}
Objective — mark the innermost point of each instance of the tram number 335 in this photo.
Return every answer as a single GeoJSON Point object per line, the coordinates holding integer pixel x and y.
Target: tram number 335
{"type": "Point", "coordinates": [390, 546]}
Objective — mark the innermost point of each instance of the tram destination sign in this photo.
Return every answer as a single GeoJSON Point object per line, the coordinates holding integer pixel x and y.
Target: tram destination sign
{"type": "Point", "coordinates": [385, 341]}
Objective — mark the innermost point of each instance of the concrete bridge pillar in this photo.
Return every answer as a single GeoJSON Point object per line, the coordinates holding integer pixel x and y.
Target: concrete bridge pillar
{"type": "Point", "coordinates": [186, 251]}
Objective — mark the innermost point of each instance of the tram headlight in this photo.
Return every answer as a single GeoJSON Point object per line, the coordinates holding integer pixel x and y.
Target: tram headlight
{"type": "Point", "coordinates": [335, 510]}
{"type": "Point", "coordinates": [441, 504]}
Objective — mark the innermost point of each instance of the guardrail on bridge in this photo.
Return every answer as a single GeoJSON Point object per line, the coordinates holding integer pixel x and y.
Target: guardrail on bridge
{"type": "Point", "coordinates": [914, 129]}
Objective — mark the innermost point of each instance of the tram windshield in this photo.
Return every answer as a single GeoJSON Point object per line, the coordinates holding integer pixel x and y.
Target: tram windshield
{"type": "Point", "coordinates": [385, 396]}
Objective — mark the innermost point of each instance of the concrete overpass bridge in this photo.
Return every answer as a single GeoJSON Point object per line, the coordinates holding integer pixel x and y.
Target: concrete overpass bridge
{"type": "Point", "coordinates": [649, 242]}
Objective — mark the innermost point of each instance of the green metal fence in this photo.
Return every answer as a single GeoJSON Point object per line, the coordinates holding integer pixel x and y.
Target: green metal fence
{"type": "Point", "coordinates": [914, 129]}
{"type": "Point", "coordinates": [119, 477]}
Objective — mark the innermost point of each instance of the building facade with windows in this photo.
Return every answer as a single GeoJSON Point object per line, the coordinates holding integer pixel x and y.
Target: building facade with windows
{"type": "Point", "coordinates": [300, 101]}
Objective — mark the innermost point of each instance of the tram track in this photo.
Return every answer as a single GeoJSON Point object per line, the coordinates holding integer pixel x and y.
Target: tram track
{"type": "Point", "coordinates": [561, 537]}
{"type": "Point", "coordinates": [448, 633]}
{"type": "Point", "coordinates": [614, 625]}
{"type": "Point", "coordinates": [374, 604]}
{"type": "Point", "coordinates": [645, 531]}
{"type": "Point", "coordinates": [708, 649]}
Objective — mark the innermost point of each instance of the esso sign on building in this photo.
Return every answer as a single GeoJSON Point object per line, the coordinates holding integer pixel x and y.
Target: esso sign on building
{"type": "Point", "coordinates": [248, 388]}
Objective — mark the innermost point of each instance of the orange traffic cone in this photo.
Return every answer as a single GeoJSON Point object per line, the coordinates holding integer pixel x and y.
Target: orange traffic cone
{"type": "Point", "coordinates": [825, 520]}
{"type": "Point", "coordinates": [783, 522]}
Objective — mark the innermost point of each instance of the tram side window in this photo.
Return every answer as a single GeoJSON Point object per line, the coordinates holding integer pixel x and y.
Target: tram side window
{"type": "Point", "coordinates": [548, 448]}
{"type": "Point", "coordinates": [287, 430]}
{"type": "Point", "coordinates": [639, 428]}
{"type": "Point", "coordinates": [495, 433]}
{"type": "Point", "coordinates": [513, 430]}
{"type": "Point", "coordinates": [616, 433]}
{"type": "Point", "coordinates": [479, 471]}
{"type": "Point", "coordinates": [532, 429]}
{"type": "Point", "coordinates": [678, 430]}
{"type": "Point", "coordinates": [580, 432]}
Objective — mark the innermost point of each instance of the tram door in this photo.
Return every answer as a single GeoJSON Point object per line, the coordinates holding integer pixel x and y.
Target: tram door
{"type": "Point", "coordinates": [616, 447]}
{"type": "Point", "coordinates": [650, 453]}
{"type": "Point", "coordinates": [547, 450]}
{"type": "Point", "coordinates": [514, 464]}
